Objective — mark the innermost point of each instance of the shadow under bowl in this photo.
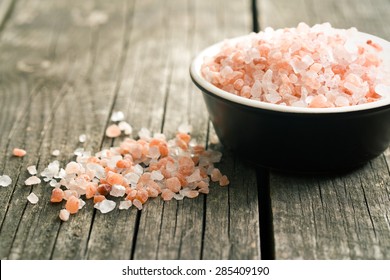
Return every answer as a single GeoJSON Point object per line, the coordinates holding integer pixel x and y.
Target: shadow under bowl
{"type": "Point", "coordinates": [296, 139]}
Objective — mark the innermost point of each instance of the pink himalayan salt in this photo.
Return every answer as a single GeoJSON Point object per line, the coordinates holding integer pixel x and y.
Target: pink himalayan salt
{"type": "Point", "coordinates": [178, 170]}
{"type": "Point", "coordinates": [19, 152]}
{"type": "Point", "coordinates": [32, 198]}
{"type": "Point", "coordinates": [314, 67]}
{"type": "Point", "coordinates": [64, 215]}
{"type": "Point", "coordinates": [216, 175]}
{"type": "Point", "coordinates": [113, 131]}
{"type": "Point", "coordinates": [224, 181]}
{"type": "Point", "coordinates": [33, 180]}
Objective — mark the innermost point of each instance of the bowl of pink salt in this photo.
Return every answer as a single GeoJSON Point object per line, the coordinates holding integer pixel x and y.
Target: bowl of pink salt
{"type": "Point", "coordinates": [304, 99]}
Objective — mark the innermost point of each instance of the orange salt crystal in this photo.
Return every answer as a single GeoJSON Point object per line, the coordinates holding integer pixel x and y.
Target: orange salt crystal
{"type": "Point", "coordinates": [90, 191]}
{"type": "Point", "coordinates": [192, 194]}
{"type": "Point", "coordinates": [19, 152]}
{"type": "Point", "coordinates": [205, 190]}
{"type": "Point", "coordinates": [186, 166]}
{"type": "Point", "coordinates": [113, 131]}
{"type": "Point", "coordinates": [113, 178]}
{"type": "Point", "coordinates": [167, 194]}
{"type": "Point", "coordinates": [57, 195]}
{"type": "Point", "coordinates": [152, 192]}
{"type": "Point", "coordinates": [104, 189]}
{"type": "Point", "coordinates": [173, 184]}
{"type": "Point", "coordinates": [72, 205]}
{"type": "Point", "coordinates": [182, 179]}
{"type": "Point", "coordinates": [142, 196]}
{"type": "Point", "coordinates": [123, 164]}
{"type": "Point", "coordinates": [215, 175]}
{"type": "Point", "coordinates": [154, 185]}
{"type": "Point", "coordinates": [98, 198]}
{"type": "Point", "coordinates": [224, 181]}
{"type": "Point", "coordinates": [131, 195]}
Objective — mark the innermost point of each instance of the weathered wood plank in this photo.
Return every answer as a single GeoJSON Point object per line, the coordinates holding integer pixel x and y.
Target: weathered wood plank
{"type": "Point", "coordinates": [62, 74]}
{"type": "Point", "coordinates": [331, 217]}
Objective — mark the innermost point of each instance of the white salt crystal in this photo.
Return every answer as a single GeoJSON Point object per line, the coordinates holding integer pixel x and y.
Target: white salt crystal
{"type": "Point", "coordinates": [5, 180]}
{"type": "Point", "coordinates": [178, 196]}
{"type": "Point", "coordinates": [55, 153]}
{"type": "Point", "coordinates": [105, 206]}
{"type": "Point", "coordinates": [82, 138]}
{"type": "Point", "coordinates": [33, 198]}
{"type": "Point", "coordinates": [341, 101]}
{"type": "Point", "coordinates": [64, 215]}
{"type": "Point", "coordinates": [125, 127]}
{"type": "Point", "coordinates": [53, 183]}
{"type": "Point", "coordinates": [125, 204]}
{"type": "Point", "coordinates": [132, 178]}
{"type": "Point", "coordinates": [137, 204]}
{"type": "Point", "coordinates": [97, 169]}
{"type": "Point", "coordinates": [32, 170]}
{"type": "Point", "coordinates": [61, 174]}
{"type": "Point", "coordinates": [382, 90]}
{"type": "Point", "coordinates": [81, 203]}
{"type": "Point", "coordinates": [117, 190]}
{"type": "Point", "coordinates": [144, 134]}
{"type": "Point", "coordinates": [51, 170]}
{"type": "Point", "coordinates": [117, 116]}
{"type": "Point", "coordinates": [256, 89]}
{"type": "Point", "coordinates": [33, 180]}
{"type": "Point", "coordinates": [79, 152]}
{"type": "Point", "coordinates": [154, 152]}
{"type": "Point", "coordinates": [156, 175]}
{"type": "Point", "coordinates": [111, 163]}
{"type": "Point", "coordinates": [138, 169]}
{"type": "Point", "coordinates": [72, 167]}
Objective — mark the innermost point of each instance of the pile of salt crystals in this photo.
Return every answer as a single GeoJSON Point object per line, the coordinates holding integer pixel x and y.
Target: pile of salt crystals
{"type": "Point", "coordinates": [136, 170]}
{"type": "Point", "coordinates": [316, 67]}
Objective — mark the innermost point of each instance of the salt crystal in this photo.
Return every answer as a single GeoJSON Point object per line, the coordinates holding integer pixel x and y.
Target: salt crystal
{"type": "Point", "coordinates": [105, 206]}
{"type": "Point", "coordinates": [32, 170]}
{"type": "Point", "coordinates": [138, 169]}
{"type": "Point", "coordinates": [156, 175]}
{"type": "Point", "coordinates": [53, 183]}
{"type": "Point", "coordinates": [178, 196]}
{"type": "Point", "coordinates": [19, 152]}
{"type": "Point", "coordinates": [195, 176]}
{"type": "Point", "coordinates": [97, 169]}
{"type": "Point", "coordinates": [118, 191]}
{"type": "Point", "coordinates": [51, 170]}
{"type": "Point", "coordinates": [126, 204]}
{"type": "Point", "coordinates": [82, 138]}
{"type": "Point", "coordinates": [33, 180]}
{"type": "Point", "coordinates": [72, 168]}
{"type": "Point", "coordinates": [5, 181]}
{"type": "Point", "coordinates": [81, 203]}
{"type": "Point", "coordinates": [137, 204]}
{"type": "Point", "coordinates": [64, 215]}
{"type": "Point", "coordinates": [132, 178]}
{"type": "Point", "coordinates": [117, 116]}
{"type": "Point", "coordinates": [144, 134]}
{"type": "Point", "coordinates": [32, 198]}
{"type": "Point", "coordinates": [113, 131]}
{"type": "Point", "coordinates": [55, 153]}
{"type": "Point", "coordinates": [79, 152]}
{"type": "Point", "coordinates": [125, 127]}
{"type": "Point", "coordinates": [382, 90]}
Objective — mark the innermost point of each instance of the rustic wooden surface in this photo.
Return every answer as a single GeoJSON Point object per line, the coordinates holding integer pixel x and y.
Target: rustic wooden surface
{"type": "Point", "coordinates": [63, 72]}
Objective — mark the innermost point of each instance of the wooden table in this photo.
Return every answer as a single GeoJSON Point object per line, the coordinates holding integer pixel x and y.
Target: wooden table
{"type": "Point", "coordinates": [65, 66]}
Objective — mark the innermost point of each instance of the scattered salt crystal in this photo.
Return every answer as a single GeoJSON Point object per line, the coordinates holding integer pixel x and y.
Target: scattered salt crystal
{"type": "Point", "coordinates": [117, 116]}
{"type": "Point", "coordinates": [82, 138]}
{"type": "Point", "coordinates": [81, 203]}
{"type": "Point", "coordinates": [51, 170]}
{"type": "Point", "coordinates": [79, 152]}
{"type": "Point", "coordinates": [118, 191]}
{"type": "Point", "coordinates": [33, 180]}
{"type": "Point", "coordinates": [55, 153]}
{"type": "Point", "coordinates": [137, 204]}
{"type": "Point", "coordinates": [215, 175]}
{"type": "Point", "coordinates": [178, 196]}
{"type": "Point", "coordinates": [156, 175]}
{"type": "Point", "coordinates": [105, 206]}
{"type": "Point", "coordinates": [224, 181]}
{"type": "Point", "coordinates": [32, 198]}
{"type": "Point", "coordinates": [125, 127]}
{"type": "Point", "coordinates": [19, 152]}
{"type": "Point", "coordinates": [32, 170]}
{"type": "Point", "coordinates": [5, 181]}
{"type": "Point", "coordinates": [53, 183]}
{"type": "Point", "coordinates": [144, 134]}
{"type": "Point", "coordinates": [113, 131]}
{"type": "Point", "coordinates": [125, 204]}
{"type": "Point", "coordinates": [64, 215]}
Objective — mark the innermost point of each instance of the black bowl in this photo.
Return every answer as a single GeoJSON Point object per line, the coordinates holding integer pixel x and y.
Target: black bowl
{"type": "Point", "coordinates": [297, 139]}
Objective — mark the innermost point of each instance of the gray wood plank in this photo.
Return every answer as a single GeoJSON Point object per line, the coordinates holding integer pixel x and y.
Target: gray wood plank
{"type": "Point", "coordinates": [63, 75]}
{"type": "Point", "coordinates": [331, 217]}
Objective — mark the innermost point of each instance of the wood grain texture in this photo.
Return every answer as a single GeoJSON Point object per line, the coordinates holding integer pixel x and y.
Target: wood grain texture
{"type": "Point", "coordinates": [63, 74]}
{"type": "Point", "coordinates": [331, 217]}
